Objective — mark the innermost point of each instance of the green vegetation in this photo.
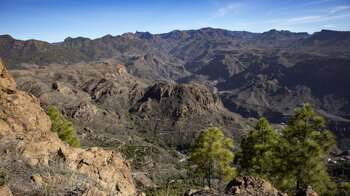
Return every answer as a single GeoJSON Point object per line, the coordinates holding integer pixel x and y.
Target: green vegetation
{"type": "Point", "coordinates": [62, 127]}
{"type": "Point", "coordinates": [4, 178]}
{"type": "Point", "coordinates": [344, 189]}
{"type": "Point", "coordinates": [304, 143]}
{"type": "Point", "coordinates": [174, 185]}
{"type": "Point", "coordinates": [293, 160]}
{"type": "Point", "coordinates": [257, 155]}
{"type": "Point", "coordinates": [211, 156]}
{"type": "Point", "coordinates": [136, 153]}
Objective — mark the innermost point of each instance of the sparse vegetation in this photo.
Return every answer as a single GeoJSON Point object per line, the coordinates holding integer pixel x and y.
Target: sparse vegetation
{"type": "Point", "coordinates": [4, 177]}
{"type": "Point", "coordinates": [174, 185]}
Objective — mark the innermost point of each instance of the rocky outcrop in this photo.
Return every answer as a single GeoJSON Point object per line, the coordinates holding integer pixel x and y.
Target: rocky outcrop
{"type": "Point", "coordinates": [176, 113]}
{"type": "Point", "coordinates": [39, 162]}
{"type": "Point", "coordinates": [6, 81]}
{"type": "Point", "coordinates": [5, 190]}
{"type": "Point", "coordinates": [206, 191]}
{"type": "Point", "coordinates": [245, 186]}
{"type": "Point", "coordinates": [20, 113]}
{"type": "Point", "coordinates": [306, 192]}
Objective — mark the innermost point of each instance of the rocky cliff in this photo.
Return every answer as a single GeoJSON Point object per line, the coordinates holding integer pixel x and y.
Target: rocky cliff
{"type": "Point", "coordinates": [37, 162]}
{"type": "Point", "coordinates": [177, 113]}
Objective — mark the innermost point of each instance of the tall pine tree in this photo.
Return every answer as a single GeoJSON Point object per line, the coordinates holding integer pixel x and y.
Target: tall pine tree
{"type": "Point", "coordinates": [293, 160]}
{"type": "Point", "coordinates": [257, 155]}
{"type": "Point", "coordinates": [211, 156]}
{"type": "Point", "coordinates": [305, 141]}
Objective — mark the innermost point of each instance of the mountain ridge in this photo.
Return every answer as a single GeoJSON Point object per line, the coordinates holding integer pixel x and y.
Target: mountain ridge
{"type": "Point", "coordinates": [256, 74]}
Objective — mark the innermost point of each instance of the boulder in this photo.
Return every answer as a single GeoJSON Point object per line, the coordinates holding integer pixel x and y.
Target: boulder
{"type": "Point", "coordinates": [306, 192]}
{"type": "Point", "coordinates": [142, 178]}
{"type": "Point", "coordinates": [5, 190]}
{"type": "Point", "coordinates": [245, 186]}
{"type": "Point", "coordinates": [36, 179]}
{"type": "Point", "coordinates": [206, 191]}
{"type": "Point", "coordinates": [94, 192]}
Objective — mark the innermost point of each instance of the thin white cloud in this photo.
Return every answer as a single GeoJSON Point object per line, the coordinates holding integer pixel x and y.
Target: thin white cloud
{"type": "Point", "coordinates": [297, 6]}
{"type": "Point", "coordinates": [315, 2]}
{"type": "Point", "coordinates": [231, 7]}
{"type": "Point", "coordinates": [330, 25]}
{"type": "Point", "coordinates": [297, 20]}
{"type": "Point", "coordinates": [307, 19]}
{"type": "Point", "coordinates": [338, 9]}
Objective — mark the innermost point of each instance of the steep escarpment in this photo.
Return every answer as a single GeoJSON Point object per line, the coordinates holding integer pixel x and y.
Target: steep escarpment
{"type": "Point", "coordinates": [39, 163]}
{"type": "Point", "coordinates": [178, 112]}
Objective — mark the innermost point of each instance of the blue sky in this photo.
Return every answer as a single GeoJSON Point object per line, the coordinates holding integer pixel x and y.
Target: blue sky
{"type": "Point", "coordinates": [54, 20]}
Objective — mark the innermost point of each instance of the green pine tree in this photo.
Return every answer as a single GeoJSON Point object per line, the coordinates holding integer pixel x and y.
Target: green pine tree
{"type": "Point", "coordinates": [257, 156]}
{"type": "Point", "coordinates": [211, 156]}
{"type": "Point", "coordinates": [305, 141]}
{"type": "Point", "coordinates": [62, 127]}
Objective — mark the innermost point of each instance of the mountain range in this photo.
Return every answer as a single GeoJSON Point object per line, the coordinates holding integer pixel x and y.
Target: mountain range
{"type": "Point", "coordinates": [238, 76]}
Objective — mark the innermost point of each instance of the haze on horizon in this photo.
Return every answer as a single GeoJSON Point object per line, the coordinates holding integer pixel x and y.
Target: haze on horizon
{"type": "Point", "coordinates": [54, 20]}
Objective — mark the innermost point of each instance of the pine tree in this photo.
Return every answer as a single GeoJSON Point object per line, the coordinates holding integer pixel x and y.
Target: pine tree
{"type": "Point", "coordinates": [305, 141]}
{"type": "Point", "coordinates": [62, 127]}
{"type": "Point", "coordinates": [257, 156]}
{"type": "Point", "coordinates": [211, 156]}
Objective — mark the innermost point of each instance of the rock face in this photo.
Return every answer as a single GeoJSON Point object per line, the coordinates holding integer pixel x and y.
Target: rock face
{"type": "Point", "coordinates": [5, 190]}
{"type": "Point", "coordinates": [245, 186]}
{"type": "Point", "coordinates": [177, 113]}
{"type": "Point", "coordinates": [39, 162]}
{"type": "Point", "coordinates": [6, 81]}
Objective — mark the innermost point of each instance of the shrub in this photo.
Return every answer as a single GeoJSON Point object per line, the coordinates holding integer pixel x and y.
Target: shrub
{"type": "Point", "coordinates": [62, 127]}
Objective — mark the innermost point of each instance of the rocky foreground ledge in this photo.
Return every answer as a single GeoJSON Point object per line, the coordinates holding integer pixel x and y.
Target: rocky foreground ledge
{"type": "Point", "coordinates": [36, 162]}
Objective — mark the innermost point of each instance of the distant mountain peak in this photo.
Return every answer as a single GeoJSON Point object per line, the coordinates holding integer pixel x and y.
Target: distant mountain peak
{"type": "Point", "coordinates": [144, 35]}
{"type": "Point", "coordinates": [108, 36]}
{"type": "Point", "coordinates": [6, 36]}
{"type": "Point", "coordinates": [67, 39]}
